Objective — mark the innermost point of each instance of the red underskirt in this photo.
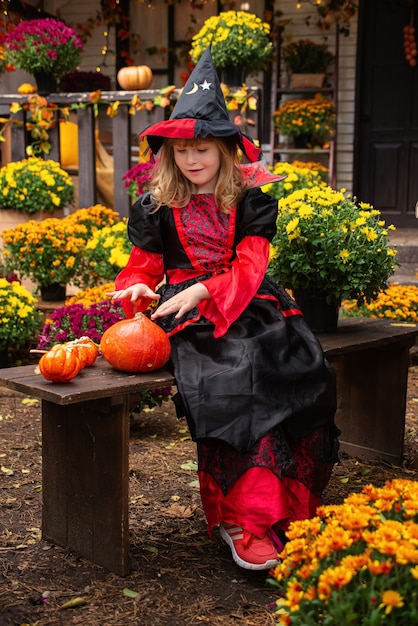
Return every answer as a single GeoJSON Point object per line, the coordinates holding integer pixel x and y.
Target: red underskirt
{"type": "Point", "coordinates": [257, 501]}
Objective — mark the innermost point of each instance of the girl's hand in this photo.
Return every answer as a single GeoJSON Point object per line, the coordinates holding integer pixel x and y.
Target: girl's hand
{"type": "Point", "coordinates": [182, 302]}
{"type": "Point", "coordinates": [134, 293]}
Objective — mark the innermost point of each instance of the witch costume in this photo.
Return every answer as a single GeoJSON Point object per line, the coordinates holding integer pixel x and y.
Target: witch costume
{"type": "Point", "coordinates": [252, 380]}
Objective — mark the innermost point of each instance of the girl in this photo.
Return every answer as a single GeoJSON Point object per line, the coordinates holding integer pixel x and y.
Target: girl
{"type": "Point", "coordinates": [252, 381]}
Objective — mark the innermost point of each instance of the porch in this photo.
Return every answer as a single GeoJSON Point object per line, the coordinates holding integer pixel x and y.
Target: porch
{"type": "Point", "coordinates": [106, 142]}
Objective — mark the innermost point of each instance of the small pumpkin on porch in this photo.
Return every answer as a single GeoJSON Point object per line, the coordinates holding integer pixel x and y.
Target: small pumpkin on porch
{"type": "Point", "coordinates": [135, 77]}
{"type": "Point", "coordinates": [135, 345]}
{"type": "Point", "coordinates": [27, 88]}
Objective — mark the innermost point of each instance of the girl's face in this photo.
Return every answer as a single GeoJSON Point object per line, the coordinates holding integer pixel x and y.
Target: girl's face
{"type": "Point", "coordinates": [199, 162]}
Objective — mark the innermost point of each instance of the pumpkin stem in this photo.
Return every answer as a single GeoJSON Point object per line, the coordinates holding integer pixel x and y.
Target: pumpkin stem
{"type": "Point", "coordinates": [38, 351]}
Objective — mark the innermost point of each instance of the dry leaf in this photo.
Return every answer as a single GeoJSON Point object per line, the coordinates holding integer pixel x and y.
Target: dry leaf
{"type": "Point", "coordinates": [73, 603]}
{"type": "Point", "coordinates": [30, 401]}
{"type": "Point", "coordinates": [180, 510]}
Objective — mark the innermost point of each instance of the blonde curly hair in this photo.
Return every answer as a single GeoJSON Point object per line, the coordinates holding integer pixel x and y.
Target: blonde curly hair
{"type": "Point", "coordinates": [170, 187]}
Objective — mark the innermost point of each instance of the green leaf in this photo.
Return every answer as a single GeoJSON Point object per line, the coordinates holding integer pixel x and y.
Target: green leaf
{"type": "Point", "coordinates": [130, 593]}
{"type": "Point", "coordinates": [190, 465]}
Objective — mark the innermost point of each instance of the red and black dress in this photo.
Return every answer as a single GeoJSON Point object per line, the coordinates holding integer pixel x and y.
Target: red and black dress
{"type": "Point", "coordinates": [252, 381]}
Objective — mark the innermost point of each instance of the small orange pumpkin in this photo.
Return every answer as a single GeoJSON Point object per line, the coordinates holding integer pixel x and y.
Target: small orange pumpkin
{"type": "Point", "coordinates": [60, 364]}
{"type": "Point", "coordinates": [27, 88]}
{"type": "Point", "coordinates": [135, 345]}
{"type": "Point", "coordinates": [135, 77]}
{"type": "Point", "coordinates": [86, 350]}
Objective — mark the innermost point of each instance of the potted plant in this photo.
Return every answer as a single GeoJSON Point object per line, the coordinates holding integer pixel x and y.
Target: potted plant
{"type": "Point", "coordinates": [72, 321]}
{"type": "Point", "coordinates": [2, 58]}
{"type": "Point", "coordinates": [49, 252]}
{"type": "Point", "coordinates": [35, 185]}
{"type": "Point", "coordinates": [329, 246]}
{"type": "Point", "coordinates": [84, 81]}
{"type": "Point", "coordinates": [353, 563]}
{"type": "Point", "coordinates": [106, 253]}
{"type": "Point", "coordinates": [20, 320]}
{"type": "Point", "coordinates": [312, 118]}
{"type": "Point", "coordinates": [44, 47]}
{"type": "Point", "coordinates": [307, 62]}
{"type": "Point", "coordinates": [237, 38]}
{"type": "Point", "coordinates": [299, 175]}
{"type": "Point", "coordinates": [397, 302]}
{"type": "Point", "coordinates": [137, 178]}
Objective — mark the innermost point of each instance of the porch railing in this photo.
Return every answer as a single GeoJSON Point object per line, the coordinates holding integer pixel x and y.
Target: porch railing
{"type": "Point", "coordinates": [123, 126]}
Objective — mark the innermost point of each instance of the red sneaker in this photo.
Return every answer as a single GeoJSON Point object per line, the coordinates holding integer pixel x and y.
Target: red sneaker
{"type": "Point", "coordinates": [248, 551]}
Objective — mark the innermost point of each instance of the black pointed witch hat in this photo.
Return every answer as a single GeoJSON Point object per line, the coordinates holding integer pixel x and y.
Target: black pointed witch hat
{"type": "Point", "coordinates": [200, 112]}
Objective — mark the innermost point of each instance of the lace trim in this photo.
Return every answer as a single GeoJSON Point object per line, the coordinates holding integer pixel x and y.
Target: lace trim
{"type": "Point", "coordinates": [309, 461]}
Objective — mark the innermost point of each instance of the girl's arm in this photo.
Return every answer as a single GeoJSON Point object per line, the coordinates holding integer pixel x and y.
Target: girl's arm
{"type": "Point", "coordinates": [231, 292]}
{"type": "Point", "coordinates": [136, 283]}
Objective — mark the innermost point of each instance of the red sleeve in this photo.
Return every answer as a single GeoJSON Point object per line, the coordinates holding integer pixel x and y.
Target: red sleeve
{"type": "Point", "coordinates": [142, 267]}
{"type": "Point", "coordinates": [232, 291]}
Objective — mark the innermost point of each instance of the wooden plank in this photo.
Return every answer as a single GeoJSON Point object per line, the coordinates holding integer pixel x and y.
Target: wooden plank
{"type": "Point", "coordinates": [121, 125]}
{"type": "Point", "coordinates": [19, 137]}
{"type": "Point", "coordinates": [371, 400]}
{"type": "Point", "coordinates": [85, 479]}
{"type": "Point", "coordinates": [358, 333]}
{"type": "Point", "coordinates": [86, 158]}
{"type": "Point", "coordinates": [111, 481]}
{"type": "Point", "coordinates": [99, 381]}
{"type": "Point", "coordinates": [55, 501]}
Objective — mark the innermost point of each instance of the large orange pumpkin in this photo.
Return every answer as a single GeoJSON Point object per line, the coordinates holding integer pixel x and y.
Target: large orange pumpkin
{"type": "Point", "coordinates": [135, 77]}
{"type": "Point", "coordinates": [135, 345]}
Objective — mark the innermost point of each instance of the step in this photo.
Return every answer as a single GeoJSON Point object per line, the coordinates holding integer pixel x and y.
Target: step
{"type": "Point", "coordinates": [405, 240]}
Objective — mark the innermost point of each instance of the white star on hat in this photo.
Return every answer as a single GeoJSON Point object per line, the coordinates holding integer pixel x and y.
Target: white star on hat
{"type": "Point", "coordinates": [205, 85]}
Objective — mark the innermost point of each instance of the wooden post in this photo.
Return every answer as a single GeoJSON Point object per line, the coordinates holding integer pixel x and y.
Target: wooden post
{"type": "Point", "coordinates": [85, 478]}
{"type": "Point", "coordinates": [86, 157]}
{"type": "Point", "coordinates": [121, 126]}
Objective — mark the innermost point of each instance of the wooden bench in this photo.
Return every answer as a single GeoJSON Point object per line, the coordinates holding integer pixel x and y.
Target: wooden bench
{"type": "Point", "coordinates": [85, 431]}
{"type": "Point", "coordinates": [85, 457]}
{"type": "Point", "coordinates": [371, 360]}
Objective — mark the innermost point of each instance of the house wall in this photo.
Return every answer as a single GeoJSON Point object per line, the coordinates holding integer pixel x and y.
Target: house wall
{"type": "Point", "coordinates": [303, 25]}
{"type": "Point", "coordinates": [79, 11]}
{"type": "Point", "coordinates": [74, 12]}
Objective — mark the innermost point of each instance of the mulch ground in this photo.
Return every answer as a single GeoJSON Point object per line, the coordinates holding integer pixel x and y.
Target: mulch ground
{"type": "Point", "coordinates": [179, 576]}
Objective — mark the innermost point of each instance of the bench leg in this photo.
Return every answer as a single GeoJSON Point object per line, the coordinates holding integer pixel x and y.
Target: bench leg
{"type": "Point", "coordinates": [85, 480]}
{"type": "Point", "coordinates": [371, 388]}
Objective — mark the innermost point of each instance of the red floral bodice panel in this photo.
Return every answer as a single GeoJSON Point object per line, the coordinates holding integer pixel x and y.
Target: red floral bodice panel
{"type": "Point", "coordinates": [206, 233]}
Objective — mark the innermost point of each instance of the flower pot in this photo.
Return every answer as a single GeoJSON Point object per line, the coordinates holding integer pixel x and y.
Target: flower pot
{"type": "Point", "coordinates": [233, 75]}
{"type": "Point", "coordinates": [9, 218]}
{"type": "Point", "coordinates": [321, 316]}
{"type": "Point", "coordinates": [53, 293]}
{"type": "Point", "coordinates": [4, 357]}
{"type": "Point", "coordinates": [302, 141]}
{"type": "Point", "coordinates": [47, 83]}
{"type": "Point", "coordinates": [307, 81]}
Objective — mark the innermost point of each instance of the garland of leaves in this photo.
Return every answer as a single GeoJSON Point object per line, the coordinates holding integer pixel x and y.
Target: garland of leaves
{"type": "Point", "coordinates": [334, 11]}
{"type": "Point", "coordinates": [42, 115]}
